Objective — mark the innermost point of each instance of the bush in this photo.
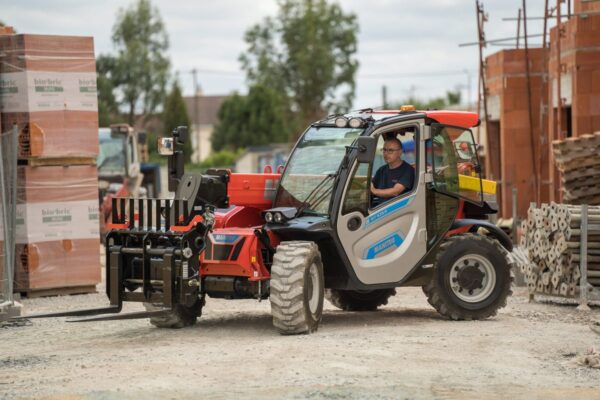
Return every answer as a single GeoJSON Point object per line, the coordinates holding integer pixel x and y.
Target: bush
{"type": "Point", "coordinates": [220, 159]}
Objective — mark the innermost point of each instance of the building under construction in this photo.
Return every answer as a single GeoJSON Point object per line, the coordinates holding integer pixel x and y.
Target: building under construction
{"type": "Point", "coordinates": [535, 96]}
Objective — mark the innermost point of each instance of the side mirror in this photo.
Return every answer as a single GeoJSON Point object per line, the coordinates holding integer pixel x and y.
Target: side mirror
{"type": "Point", "coordinates": [366, 148]}
{"type": "Point", "coordinates": [165, 146]}
{"type": "Point", "coordinates": [181, 134]}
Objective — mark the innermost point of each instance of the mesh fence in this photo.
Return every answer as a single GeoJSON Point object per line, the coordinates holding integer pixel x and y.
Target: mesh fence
{"type": "Point", "coordinates": [8, 210]}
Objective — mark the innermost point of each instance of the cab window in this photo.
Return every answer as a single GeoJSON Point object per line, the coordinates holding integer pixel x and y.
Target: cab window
{"type": "Point", "coordinates": [452, 159]}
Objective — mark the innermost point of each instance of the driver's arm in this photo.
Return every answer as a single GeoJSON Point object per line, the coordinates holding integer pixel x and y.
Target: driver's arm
{"type": "Point", "coordinates": [394, 191]}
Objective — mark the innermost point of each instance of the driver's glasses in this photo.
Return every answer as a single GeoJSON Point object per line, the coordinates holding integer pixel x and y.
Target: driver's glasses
{"type": "Point", "coordinates": [384, 150]}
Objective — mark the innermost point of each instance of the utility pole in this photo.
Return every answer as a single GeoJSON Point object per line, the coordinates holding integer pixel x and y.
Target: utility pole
{"type": "Point", "coordinates": [519, 28]}
{"type": "Point", "coordinates": [196, 101]}
{"type": "Point", "coordinates": [468, 87]}
{"type": "Point", "coordinates": [543, 103]}
{"type": "Point", "coordinates": [529, 110]}
{"type": "Point", "coordinates": [384, 97]}
{"type": "Point", "coordinates": [482, 89]}
{"type": "Point", "coordinates": [557, 131]}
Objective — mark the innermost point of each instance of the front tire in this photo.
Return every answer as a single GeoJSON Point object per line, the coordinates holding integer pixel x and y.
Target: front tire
{"type": "Point", "coordinates": [297, 288]}
{"type": "Point", "coordinates": [354, 300]}
{"type": "Point", "coordinates": [472, 278]}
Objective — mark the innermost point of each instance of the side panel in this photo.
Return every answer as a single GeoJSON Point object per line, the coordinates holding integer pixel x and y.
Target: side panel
{"type": "Point", "coordinates": [392, 238]}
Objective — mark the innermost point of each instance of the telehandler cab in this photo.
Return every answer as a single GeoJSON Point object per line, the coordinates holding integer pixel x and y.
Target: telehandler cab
{"type": "Point", "coordinates": [311, 232]}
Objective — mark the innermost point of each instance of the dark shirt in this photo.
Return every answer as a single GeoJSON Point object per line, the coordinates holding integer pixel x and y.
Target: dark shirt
{"type": "Point", "coordinates": [386, 178]}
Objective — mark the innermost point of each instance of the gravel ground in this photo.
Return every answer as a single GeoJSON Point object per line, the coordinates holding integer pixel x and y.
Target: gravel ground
{"type": "Point", "coordinates": [403, 351]}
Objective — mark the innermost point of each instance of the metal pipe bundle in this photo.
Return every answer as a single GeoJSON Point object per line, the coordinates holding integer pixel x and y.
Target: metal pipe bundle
{"type": "Point", "coordinates": [552, 239]}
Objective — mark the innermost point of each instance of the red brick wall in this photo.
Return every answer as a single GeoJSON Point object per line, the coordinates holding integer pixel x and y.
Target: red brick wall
{"type": "Point", "coordinates": [506, 77]}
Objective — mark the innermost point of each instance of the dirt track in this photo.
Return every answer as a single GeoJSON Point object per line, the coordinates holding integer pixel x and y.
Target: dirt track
{"type": "Point", "coordinates": [404, 351]}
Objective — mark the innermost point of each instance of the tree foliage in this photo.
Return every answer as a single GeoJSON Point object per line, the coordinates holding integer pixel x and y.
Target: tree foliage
{"type": "Point", "coordinates": [108, 108]}
{"type": "Point", "coordinates": [306, 53]}
{"type": "Point", "coordinates": [258, 118]}
{"type": "Point", "coordinates": [175, 114]}
{"type": "Point", "coordinates": [221, 159]}
{"type": "Point", "coordinates": [141, 66]}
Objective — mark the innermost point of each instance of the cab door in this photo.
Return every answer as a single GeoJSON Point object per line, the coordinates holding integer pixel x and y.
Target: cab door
{"type": "Point", "coordinates": [384, 243]}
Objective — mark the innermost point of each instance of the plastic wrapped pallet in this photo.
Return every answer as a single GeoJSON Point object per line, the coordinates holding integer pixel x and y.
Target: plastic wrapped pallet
{"type": "Point", "coordinates": [48, 88]}
{"type": "Point", "coordinates": [57, 227]}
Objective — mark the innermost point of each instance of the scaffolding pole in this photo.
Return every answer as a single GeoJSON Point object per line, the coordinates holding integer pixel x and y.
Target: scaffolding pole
{"type": "Point", "coordinates": [482, 88]}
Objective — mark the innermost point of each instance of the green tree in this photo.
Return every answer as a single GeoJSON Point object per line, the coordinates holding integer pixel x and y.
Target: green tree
{"type": "Point", "coordinates": [256, 119]}
{"type": "Point", "coordinates": [307, 54]}
{"type": "Point", "coordinates": [452, 98]}
{"type": "Point", "coordinates": [141, 67]}
{"type": "Point", "coordinates": [175, 114]}
{"type": "Point", "coordinates": [221, 159]}
{"type": "Point", "coordinates": [108, 108]}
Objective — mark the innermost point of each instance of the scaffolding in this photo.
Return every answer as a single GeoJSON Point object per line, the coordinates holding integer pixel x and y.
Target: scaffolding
{"type": "Point", "coordinates": [8, 211]}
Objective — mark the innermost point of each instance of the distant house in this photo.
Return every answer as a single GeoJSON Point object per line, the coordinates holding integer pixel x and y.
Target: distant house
{"type": "Point", "coordinates": [255, 158]}
{"type": "Point", "coordinates": [202, 111]}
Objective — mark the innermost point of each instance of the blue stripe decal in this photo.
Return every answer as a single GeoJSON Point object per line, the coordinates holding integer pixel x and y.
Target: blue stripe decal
{"type": "Point", "coordinates": [392, 241]}
{"type": "Point", "coordinates": [392, 208]}
{"type": "Point", "coordinates": [222, 239]}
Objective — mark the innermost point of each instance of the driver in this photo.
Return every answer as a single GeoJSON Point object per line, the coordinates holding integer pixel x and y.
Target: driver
{"type": "Point", "coordinates": [393, 178]}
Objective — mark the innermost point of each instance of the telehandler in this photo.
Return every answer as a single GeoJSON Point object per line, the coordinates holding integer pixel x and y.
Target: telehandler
{"type": "Point", "coordinates": [311, 232]}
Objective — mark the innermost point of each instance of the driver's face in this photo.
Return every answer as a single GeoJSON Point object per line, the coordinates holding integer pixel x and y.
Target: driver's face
{"type": "Point", "coordinates": [391, 152]}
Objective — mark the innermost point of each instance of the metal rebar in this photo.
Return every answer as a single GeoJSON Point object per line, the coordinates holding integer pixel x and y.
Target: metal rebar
{"type": "Point", "coordinates": [583, 281]}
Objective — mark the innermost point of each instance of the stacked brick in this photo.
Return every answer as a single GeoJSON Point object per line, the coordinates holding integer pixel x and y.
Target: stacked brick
{"type": "Point", "coordinates": [48, 92]}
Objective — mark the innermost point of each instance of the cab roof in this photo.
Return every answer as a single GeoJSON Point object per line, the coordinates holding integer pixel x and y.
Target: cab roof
{"type": "Point", "coordinates": [463, 119]}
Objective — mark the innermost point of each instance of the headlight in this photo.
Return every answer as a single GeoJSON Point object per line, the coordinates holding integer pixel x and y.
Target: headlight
{"type": "Point", "coordinates": [355, 123]}
{"type": "Point", "coordinates": [278, 218]}
{"type": "Point", "coordinates": [269, 217]}
{"type": "Point", "coordinates": [341, 122]}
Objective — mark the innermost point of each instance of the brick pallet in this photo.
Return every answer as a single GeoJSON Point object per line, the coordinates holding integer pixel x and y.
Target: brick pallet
{"type": "Point", "coordinates": [49, 92]}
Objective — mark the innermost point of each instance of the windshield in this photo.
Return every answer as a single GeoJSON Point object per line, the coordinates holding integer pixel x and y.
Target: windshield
{"type": "Point", "coordinates": [111, 157]}
{"type": "Point", "coordinates": [317, 155]}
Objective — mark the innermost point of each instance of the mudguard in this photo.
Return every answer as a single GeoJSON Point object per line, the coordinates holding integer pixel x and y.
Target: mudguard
{"type": "Point", "coordinates": [494, 231]}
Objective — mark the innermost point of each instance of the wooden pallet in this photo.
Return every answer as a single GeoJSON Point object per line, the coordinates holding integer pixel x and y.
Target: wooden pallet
{"type": "Point", "coordinates": [62, 291]}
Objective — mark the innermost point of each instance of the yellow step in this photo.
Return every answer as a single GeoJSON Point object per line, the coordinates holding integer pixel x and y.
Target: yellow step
{"type": "Point", "coordinates": [472, 183]}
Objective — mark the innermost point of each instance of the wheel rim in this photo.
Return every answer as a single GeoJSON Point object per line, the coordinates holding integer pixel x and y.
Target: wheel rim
{"type": "Point", "coordinates": [313, 288]}
{"type": "Point", "coordinates": [472, 278]}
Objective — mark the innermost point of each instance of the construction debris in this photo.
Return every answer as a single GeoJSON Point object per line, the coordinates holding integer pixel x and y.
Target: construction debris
{"type": "Point", "coordinates": [591, 359]}
{"type": "Point", "coordinates": [577, 159]}
{"type": "Point", "coordinates": [551, 235]}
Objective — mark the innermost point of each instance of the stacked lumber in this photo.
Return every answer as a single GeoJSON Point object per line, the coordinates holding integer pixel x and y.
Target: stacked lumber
{"type": "Point", "coordinates": [552, 237]}
{"type": "Point", "coordinates": [578, 159]}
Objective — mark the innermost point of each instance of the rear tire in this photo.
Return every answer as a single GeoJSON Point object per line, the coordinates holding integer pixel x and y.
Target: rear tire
{"type": "Point", "coordinates": [297, 289]}
{"type": "Point", "coordinates": [180, 317]}
{"type": "Point", "coordinates": [354, 300]}
{"type": "Point", "coordinates": [472, 278]}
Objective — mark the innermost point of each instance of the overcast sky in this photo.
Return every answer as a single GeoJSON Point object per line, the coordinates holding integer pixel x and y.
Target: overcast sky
{"type": "Point", "coordinates": [410, 46]}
